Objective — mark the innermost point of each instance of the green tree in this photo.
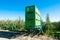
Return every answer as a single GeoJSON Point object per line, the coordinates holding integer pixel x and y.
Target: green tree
{"type": "Point", "coordinates": [48, 26]}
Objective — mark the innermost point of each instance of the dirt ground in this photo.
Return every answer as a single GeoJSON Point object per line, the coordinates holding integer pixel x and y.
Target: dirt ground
{"type": "Point", "coordinates": [30, 38]}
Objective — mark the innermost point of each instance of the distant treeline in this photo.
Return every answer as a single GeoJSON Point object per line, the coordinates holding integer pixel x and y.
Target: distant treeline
{"type": "Point", "coordinates": [53, 27]}
{"type": "Point", "coordinates": [17, 24]}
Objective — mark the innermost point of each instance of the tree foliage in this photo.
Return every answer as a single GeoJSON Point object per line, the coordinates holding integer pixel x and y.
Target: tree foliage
{"type": "Point", "coordinates": [12, 24]}
{"type": "Point", "coordinates": [49, 27]}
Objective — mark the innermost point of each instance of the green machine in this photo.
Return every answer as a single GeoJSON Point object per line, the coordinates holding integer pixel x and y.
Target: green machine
{"type": "Point", "coordinates": [32, 19]}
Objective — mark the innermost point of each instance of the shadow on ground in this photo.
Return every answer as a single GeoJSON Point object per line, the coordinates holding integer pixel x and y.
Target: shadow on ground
{"type": "Point", "coordinates": [10, 34]}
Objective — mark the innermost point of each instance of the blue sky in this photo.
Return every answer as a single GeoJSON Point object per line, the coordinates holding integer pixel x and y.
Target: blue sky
{"type": "Point", "coordinates": [12, 9]}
